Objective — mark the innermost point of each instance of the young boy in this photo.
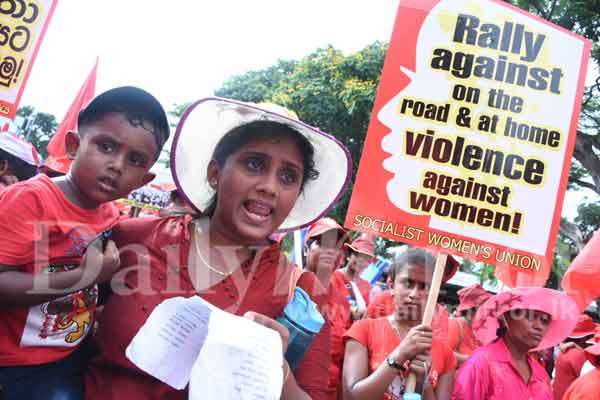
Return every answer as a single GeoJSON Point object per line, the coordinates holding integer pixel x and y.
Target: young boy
{"type": "Point", "coordinates": [19, 160]}
{"type": "Point", "coordinates": [48, 279]}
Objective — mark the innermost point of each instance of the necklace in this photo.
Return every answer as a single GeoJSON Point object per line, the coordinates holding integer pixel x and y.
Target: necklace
{"type": "Point", "coordinates": [195, 239]}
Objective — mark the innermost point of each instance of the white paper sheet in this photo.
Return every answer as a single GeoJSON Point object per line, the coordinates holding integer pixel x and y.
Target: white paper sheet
{"type": "Point", "coordinates": [221, 355]}
{"type": "Point", "coordinates": [170, 340]}
{"type": "Point", "coordinates": [240, 360]}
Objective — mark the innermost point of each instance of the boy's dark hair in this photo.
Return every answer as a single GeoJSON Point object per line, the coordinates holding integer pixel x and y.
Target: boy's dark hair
{"type": "Point", "coordinates": [263, 130]}
{"type": "Point", "coordinates": [136, 104]}
{"type": "Point", "coordinates": [20, 168]}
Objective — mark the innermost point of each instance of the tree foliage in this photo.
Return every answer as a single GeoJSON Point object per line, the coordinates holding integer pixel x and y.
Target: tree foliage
{"type": "Point", "coordinates": [40, 128]}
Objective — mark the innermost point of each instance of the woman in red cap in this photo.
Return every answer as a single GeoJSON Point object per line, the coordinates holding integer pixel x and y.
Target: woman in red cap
{"type": "Point", "coordinates": [460, 335]}
{"type": "Point", "coordinates": [572, 357]}
{"type": "Point", "coordinates": [587, 387]}
{"type": "Point", "coordinates": [512, 325]}
{"type": "Point", "coordinates": [347, 280]}
{"type": "Point", "coordinates": [380, 352]}
{"type": "Point", "coordinates": [324, 251]}
{"type": "Point", "coordinates": [324, 248]}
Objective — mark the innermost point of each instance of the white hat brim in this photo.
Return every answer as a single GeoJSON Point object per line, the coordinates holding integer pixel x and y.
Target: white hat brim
{"type": "Point", "coordinates": [206, 121]}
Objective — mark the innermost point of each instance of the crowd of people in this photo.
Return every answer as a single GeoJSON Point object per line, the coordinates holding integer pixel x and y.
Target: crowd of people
{"type": "Point", "coordinates": [79, 278]}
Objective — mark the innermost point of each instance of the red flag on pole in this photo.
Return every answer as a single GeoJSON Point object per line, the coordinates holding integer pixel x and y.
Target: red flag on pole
{"type": "Point", "coordinates": [582, 279]}
{"type": "Point", "coordinates": [57, 153]}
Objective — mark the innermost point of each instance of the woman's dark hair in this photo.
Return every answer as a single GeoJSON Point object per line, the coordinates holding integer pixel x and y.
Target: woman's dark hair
{"type": "Point", "coordinates": [414, 256]}
{"type": "Point", "coordinates": [418, 257]}
{"type": "Point", "coordinates": [263, 130]}
{"type": "Point", "coordinates": [502, 329]}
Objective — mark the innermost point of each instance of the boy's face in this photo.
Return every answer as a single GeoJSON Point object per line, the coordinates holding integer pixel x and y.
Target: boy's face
{"type": "Point", "coordinates": [112, 158]}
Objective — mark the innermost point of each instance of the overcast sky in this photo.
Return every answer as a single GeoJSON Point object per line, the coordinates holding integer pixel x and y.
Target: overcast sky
{"type": "Point", "coordinates": [181, 50]}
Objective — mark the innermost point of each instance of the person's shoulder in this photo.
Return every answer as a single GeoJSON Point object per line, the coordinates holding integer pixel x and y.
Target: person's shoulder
{"type": "Point", "coordinates": [160, 231]}
{"type": "Point", "coordinates": [309, 281]}
{"type": "Point", "coordinates": [584, 386]}
{"type": "Point", "coordinates": [29, 193]}
{"type": "Point", "coordinates": [370, 323]}
{"type": "Point", "coordinates": [480, 357]}
{"type": "Point", "coordinates": [364, 284]}
{"type": "Point", "coordinates": [361, 329]}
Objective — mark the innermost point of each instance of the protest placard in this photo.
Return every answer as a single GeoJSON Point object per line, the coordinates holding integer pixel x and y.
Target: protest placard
{"type": "Point", "coordinates": [22, 28]}
{"type": "Point", "coordinates": [469, 145]}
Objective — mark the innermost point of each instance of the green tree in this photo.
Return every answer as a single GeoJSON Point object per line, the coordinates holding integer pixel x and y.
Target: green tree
{"type": "Point", "coordinates": [39, 129]}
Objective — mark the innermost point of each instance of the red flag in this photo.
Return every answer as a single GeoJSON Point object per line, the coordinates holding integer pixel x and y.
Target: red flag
{"type": "Point", "coordinates": [582, 279]}
{"type": "Point", "coordinates": [57, 153]}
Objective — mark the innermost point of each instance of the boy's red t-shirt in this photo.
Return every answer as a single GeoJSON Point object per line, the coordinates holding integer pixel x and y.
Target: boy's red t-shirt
{"type": "Point", "coordinates": [41, 231]}
{"type": "Point", "coordinates": [380, 339]}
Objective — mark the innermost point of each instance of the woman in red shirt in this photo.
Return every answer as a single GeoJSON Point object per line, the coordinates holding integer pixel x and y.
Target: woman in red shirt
{"type": "Point", "coordinates": [324, 250]}
{"type": "Point", "coordinates": [380, 352]}
{"type": "Point", "coordinates": [244, 168]}
{"type": "Point", "coordinates": [347, 280]}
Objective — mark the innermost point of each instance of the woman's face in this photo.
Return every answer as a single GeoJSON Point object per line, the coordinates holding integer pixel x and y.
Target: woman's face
{"type": "Point", "coordinates": [257, 188]}
{"type": "Point", "coordinates": [410, 293]}
{"type": "Point", "coordinates": [526, 327]}
{"type": "Point", "coordinates": [325, 251]}
{"type": "Point", "coordinates": [359, 261]}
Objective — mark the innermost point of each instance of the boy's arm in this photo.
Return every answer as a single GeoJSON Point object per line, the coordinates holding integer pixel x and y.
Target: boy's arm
{"type": "Point", "coordinates": [19, 288]}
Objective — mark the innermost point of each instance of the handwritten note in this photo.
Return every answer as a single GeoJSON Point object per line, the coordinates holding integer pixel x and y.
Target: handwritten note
{"type": "Point", "coordinates": [221, 356]}
{"type": "Point", "coordinates": [170, 340]}
{"type": "Point", "coordinates": [240, 360]}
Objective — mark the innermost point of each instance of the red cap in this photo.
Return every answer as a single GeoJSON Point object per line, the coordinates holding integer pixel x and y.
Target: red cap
{"type": "Point", "coordinates": [323, 225]}
{"type": "Point", "coordinates": [364, 244]}
{"type": "Point", "coordinates": [585, 327]}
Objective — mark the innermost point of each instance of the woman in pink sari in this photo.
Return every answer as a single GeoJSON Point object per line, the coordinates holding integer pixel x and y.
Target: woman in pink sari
{"type": "Point", "coordinates": [511, 325]}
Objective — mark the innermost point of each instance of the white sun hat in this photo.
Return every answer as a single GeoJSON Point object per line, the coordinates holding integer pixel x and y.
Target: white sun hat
{"type": "Point", "coordinates": [206, 121]}
{"type": "Point", "coordinates": [19, 148]}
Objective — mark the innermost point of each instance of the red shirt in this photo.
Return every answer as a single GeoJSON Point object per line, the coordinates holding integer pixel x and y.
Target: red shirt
{"type": "Point", "coordinates": [460, 337]}
{"type": "Point", "coordinates": [340, 317]}
{"type": "Point", "coordinates": [43, 232]}
{"type": "Point", "coordinates": [586, 387]}
{"type": "Point", "coordinates": [568, 367]}
{"type": "Point", "coordinates": [260, 286]}
{"type": "Point", "coordinates": [380, 339]}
